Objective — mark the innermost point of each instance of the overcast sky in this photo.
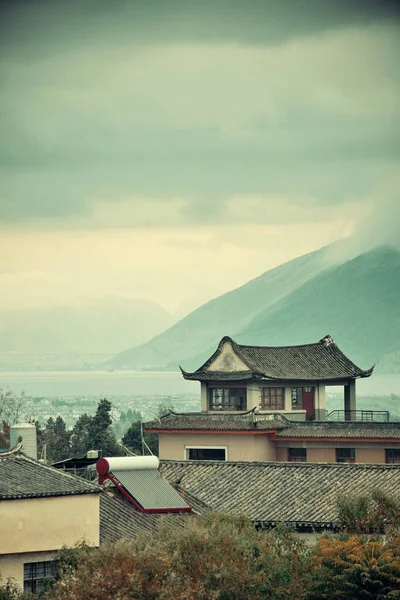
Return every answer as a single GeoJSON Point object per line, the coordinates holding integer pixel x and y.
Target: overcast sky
{"type": "Point", "coordinates": [173, 150]}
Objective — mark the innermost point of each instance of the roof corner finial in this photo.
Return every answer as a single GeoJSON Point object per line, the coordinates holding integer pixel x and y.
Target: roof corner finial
{"type": "Point", "coordinates": [327, 341]}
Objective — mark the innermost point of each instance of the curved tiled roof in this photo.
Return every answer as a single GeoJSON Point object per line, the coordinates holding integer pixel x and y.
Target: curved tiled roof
{"type": "Point", "coordinates": [303, 494]}
{"type": "Point", "coordinates": [248, 421]}
{"type": "Point", "coordinates": [321, 361]}
{"type": "Point", "coordinates": [24, 477]}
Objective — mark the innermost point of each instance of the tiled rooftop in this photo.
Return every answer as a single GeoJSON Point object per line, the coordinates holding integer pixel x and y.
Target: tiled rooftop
{"type": "Point", "coordinates": [321, 361]}
{"type": "Point", "coordinates": [344, 429]}
{"type": "Point", "coordinates": [119, 519]}
{"type": "Point", "coordinates": [248, 421]}
{"type": "Point", "coordinates": [23, 477]}
{"type": "Point", "coordinates": [254, 421]}
{"type": "Point", "coordinates": [302, 494]}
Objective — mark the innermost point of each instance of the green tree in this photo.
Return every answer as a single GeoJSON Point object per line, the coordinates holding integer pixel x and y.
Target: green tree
{"type": "Point", "coordinates": [4, 434]}
{"type": "Point", "coordinates": [58, 440]}
{"type": "Point", "coordinates": [101, 435]}
{"type": "Point", "coordinates": [133, 439]}
{"type": "Point", "coordinates": [95, 433]}
{"type": "Point", "coordinates": [133, 436]}
{"type": "Point", "coordinates": [80, 436]}
{"type": "Point", "coordinates": [369, 512]}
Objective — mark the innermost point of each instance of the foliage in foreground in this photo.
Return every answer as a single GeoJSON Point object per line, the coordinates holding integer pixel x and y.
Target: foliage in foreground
{"type": "Point", "coordinates": [356, 569]}
{"type": "Point", "coordinates": [9, 590]}
{"type": "Point", "coordinates": [369, 512]}
{"type": "Point", "coordinates": [222, 558]}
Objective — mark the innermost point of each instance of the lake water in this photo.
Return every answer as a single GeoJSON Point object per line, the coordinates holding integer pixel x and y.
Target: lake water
{"type": "Point", "coordinates": [97, 383]}
{"type": "Point", "coordinates": [133, 383]}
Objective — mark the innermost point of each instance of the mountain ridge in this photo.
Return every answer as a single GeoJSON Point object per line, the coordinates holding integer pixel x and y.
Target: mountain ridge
{"type": "Point", "coordinates": [103, 325]}
{"type": "Point", "coordinates": [354, 301]}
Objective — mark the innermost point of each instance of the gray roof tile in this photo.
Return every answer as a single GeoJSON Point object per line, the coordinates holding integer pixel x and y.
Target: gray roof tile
{"type": "Point", "coordinates": [248, 421]}
{"type": "Point", "coordinates": [321, 361]}
{"type": "Point", "coordinates": [23, 477]}
{"type": "Point", "coordinates": [254, 421]}
{"type": "Point", "coordinates": [343, 429]}
{"type": "Point", "coordinates": [303, 494]}
{"type": "Point", "coordinates": [119, 519]}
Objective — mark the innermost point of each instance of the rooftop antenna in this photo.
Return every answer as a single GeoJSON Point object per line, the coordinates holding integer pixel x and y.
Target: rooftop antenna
{"type": "Point", "coordinates": [144, 445]}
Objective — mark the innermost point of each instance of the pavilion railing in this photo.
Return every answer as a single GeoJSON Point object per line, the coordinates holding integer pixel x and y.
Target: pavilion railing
{"type": "Point", "coordinates": [359, 415]}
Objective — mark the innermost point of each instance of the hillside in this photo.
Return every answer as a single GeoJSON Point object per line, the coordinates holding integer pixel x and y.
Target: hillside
{"type": "Point", "coordinates": [104, 326]}
{"type": "Point", "coordinates": [228, 313]}
{"type": "Point", "coordinates": [357, 302]}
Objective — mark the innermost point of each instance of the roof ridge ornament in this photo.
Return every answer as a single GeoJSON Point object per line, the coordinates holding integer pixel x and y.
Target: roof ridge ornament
{"type": "Point", "coordinates": [327, 341]}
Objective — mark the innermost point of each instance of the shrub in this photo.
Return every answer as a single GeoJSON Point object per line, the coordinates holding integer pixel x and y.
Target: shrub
{"type": "Point", "coordinates": [9, 590]}
{"type": "Point", "coordinates": [368, 513]}
{"type": "Point", "coordinates": [215, 558]}
{"type": "Point", "coordinates": [355, 569]}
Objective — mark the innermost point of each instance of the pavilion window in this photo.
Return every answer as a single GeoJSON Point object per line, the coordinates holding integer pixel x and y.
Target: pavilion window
{"type": "Point", "coordinates": [227, 398]}
{"type": "Point", "coordinates": [393, 456]}
{"type": "Point", "coordinates": [297, 454]}
{"type": "Point", "coordinates": [297, 398]}
{"type": "Point", "coordinates": [345, 455]}
{"type": "Point", "coordinates": [273, 398]}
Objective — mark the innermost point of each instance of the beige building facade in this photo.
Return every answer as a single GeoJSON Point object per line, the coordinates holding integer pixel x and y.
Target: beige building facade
{"type": "Point", "coordinates": [41, 510]}
{"type": "Point", "coordinates": [233, 445]}
{"type": "Point", "coordinates": [267, 446]}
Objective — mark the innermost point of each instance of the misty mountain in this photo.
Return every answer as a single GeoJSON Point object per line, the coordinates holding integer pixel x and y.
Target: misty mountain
{"type": "Point", "coordinates": [357, 302]}
{"type": "Point", "coordinates": [233, 311]}
{"type": "Point", "coordinates": [104, 326]}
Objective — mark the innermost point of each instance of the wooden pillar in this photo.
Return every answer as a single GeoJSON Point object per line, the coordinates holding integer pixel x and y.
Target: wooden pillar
{"type": "Point", "coordinates": [320, 402]}
{"type": "Point", "coordinates": [204, 397]}
{"type": "Point", "coordinates": [253, 395]}
{"type": "Point", "coordinates": [350, 400]}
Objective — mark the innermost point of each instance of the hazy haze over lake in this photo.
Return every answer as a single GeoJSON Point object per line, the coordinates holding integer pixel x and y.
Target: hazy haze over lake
{"type": "Point", "coordinates": [131, 383]}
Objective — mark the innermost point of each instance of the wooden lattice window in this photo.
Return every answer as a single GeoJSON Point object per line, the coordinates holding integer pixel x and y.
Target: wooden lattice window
{"type": "Point", "coordinates": [273, 398]}
{"type": "Point", "coordinates": [227, 398]}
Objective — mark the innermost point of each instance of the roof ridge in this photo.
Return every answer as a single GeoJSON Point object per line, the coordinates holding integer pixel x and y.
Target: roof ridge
{"type": "Point", "coordinates": [336, 423]}
{"type": "Point", "coordinates": [288, 346]}
{"type": "Point", "coordinates": [283, 465]}
{"type": "Point", "coordinates": [12, 451]}
{"type": "Point", "coordinates": [54, 470]}
{"type": "Point", "coordinates": [207, 414]}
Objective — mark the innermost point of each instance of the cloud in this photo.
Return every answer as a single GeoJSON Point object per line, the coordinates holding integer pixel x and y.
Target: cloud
{"type": "Point", "coordinates": [124, 132]}
{"type": "Point", "coordinates": [250, 209]}
{"type": "Point", "coordinates": [32, 29]}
